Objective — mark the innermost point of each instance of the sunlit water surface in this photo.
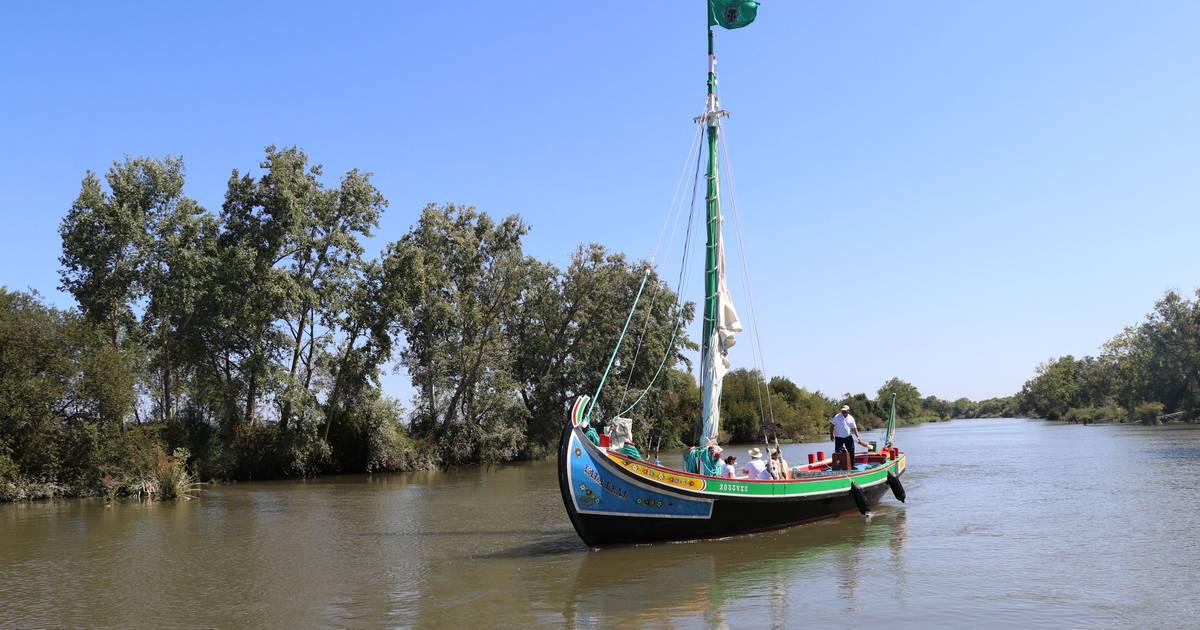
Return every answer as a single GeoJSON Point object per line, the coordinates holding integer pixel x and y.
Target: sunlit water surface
{"type": "Point", "coordinates": [1009, 523]}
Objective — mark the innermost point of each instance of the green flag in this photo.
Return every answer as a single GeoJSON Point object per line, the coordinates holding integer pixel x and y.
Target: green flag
{"type": "Point", "coordinates": [731, 13]}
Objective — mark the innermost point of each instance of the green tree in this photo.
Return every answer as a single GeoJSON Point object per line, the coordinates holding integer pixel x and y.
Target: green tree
{"type": "Point", "coordinates": [743, 405]}
{"type": "Point", "coordinates": [353, 402]}
{"type": "Point", "coordinates": [63, 389]}
{"type": "Point", "coordinates": [964, 408]}
{"type": "Point", "coordinates": [804, 414]}
{"type": "Point", "coordinates": [1095, 378]}
{"type": "Point", "coordinates": [1128, 358]}
{"type": "Point", "coordinates": [1172, 331]}
{"type": "Point", "coordinates": [936, 408]}
{"type": "Point", "coordinates": [466, 274]}
{"type": "Point", "coordinates": [103, 235]}
{"type": "Point", "coordinates": [322, 256]}
{"type": "Point", "coordinates": [1053, 390]}
{"type": "Point", "coordinates": [1004, 407]}
{"type": "Point", "coordinates": [863, 410]}
{"type": "Point", "coordinates": [177, 263]}
{"type": "Point", "coordinates": [908, 399]}
{"type": "Point", "coordinates": [566, 325]}
{"type": "Point", "coordinates": [132, 249]}
{"type": "Point", "coordinates": [247, 292]}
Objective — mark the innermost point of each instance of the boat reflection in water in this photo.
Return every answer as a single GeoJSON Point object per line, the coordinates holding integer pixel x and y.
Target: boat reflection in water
{"type": "Point", "coordinates": [768, 580]}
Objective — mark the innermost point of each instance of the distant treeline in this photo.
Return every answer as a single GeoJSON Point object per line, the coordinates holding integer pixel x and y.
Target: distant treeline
{"type": "Point", "coordinates": [1148, 371]}
{"type": "Point", "coordinates": [804, 415]}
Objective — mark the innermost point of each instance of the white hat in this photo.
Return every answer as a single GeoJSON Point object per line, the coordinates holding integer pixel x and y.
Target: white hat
{"type": "Point", "coordinates": [845, 407]}
{"type": "Point", "coordinates": [755, 453]}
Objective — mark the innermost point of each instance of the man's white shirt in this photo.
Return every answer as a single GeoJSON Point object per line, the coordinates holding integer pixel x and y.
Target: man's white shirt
{"type": "Point", "coordinates": [758, 469]}
{"type": "Point", "coordinates": [843, 425]}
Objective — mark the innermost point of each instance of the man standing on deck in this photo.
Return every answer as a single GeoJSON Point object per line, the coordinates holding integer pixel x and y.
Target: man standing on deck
{"type": "Point", "coordinates": [843, 430]}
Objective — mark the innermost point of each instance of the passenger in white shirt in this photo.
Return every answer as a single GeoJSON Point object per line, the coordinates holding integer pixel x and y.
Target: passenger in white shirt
{"type": "Point", "coordinates": [757, 468]}
{"type": "Point", "coordinates": [729, 471]}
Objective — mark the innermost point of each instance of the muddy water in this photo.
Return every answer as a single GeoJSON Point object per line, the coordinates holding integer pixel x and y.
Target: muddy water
{"type": "Point", "coordinates": [1008, 522]}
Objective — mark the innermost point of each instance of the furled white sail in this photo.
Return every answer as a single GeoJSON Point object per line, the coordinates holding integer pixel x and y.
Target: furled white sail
{"type": "Point", "coordinates": [723, 338]}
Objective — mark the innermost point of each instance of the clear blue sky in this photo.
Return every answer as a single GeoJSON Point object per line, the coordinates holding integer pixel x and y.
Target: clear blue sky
{"type": "Point", "coordinates": [950, 192]}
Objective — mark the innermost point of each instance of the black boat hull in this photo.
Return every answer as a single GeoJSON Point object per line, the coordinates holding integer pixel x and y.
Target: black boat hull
{"type": "Point", "coordinates": [730, 518]}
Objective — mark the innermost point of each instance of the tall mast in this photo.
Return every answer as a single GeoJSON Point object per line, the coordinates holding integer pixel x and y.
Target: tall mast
{"type": "Point", "coordinates": [712, 345]}
{"type": "Point", "coordinates": [712, 121]}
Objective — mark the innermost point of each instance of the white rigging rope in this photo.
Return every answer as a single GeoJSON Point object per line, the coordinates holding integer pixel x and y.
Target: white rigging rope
{"type": "Point", "coordinates": [674, 210]}
{"type": "Point", "coordinates": [756, 347]}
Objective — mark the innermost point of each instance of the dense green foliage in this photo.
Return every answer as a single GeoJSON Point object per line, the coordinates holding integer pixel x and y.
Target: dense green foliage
{"type": "Point", "coordinates": [64, 392]}
{"type": "Point", "coordinates": [1148, 370]}
{"type": "Point", "coordinates": [250, 341]}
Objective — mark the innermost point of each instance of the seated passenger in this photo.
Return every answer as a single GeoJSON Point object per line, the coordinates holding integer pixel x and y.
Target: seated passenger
{"type": "Point", "coordinates": [757, 468]}
{"type": "Point", "coordinates": [729, 472]}
{"type": "Point", "coordinates": [779, 465]}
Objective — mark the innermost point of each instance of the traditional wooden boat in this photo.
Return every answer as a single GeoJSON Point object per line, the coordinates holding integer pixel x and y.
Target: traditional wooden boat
{"type": "Point", "coordinates": [614, 499]}
{"type": "Point", "coordinates": [614, 496]}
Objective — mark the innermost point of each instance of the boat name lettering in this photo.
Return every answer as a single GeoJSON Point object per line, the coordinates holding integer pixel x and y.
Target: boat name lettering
{"type": "Point", "coordinates": [674, 480]}
{"type": "Point", "coordinates": [608, 486]}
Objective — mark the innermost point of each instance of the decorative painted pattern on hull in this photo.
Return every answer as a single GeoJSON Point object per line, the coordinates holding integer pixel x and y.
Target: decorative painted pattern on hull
{"type": "Point", "coordinates": [595, 490]}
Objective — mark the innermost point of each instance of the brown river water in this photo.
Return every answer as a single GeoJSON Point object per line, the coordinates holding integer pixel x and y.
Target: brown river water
{"type": "Point", "coordinates": [1009, 523]}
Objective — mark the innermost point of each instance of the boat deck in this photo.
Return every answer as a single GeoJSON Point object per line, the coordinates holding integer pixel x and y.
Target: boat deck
{"type": "Point", "coordinates": [828, 471]}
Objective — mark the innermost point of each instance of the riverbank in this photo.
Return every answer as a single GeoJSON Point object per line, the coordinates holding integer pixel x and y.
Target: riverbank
{"type": "Point", "coordinates": [148, 473]}
{"type": "Point", "coordinates": [143, 470]}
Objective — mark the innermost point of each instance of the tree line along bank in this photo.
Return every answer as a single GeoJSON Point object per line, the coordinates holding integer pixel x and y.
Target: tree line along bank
{"type": "Point", "coordinates": [248, 342]}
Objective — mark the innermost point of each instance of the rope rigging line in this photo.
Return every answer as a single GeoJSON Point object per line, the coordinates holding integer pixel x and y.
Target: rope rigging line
{"type": "Point", "coordinates": [675, 209]}
{"type": "Point", "coordinates": [592, 405]}
{"type": "Point", "coordinates": [679, 287]}
{"type": "Point", "coordinates": [737, 222]}
{"type": "Point", "coordinates": [632, 309]}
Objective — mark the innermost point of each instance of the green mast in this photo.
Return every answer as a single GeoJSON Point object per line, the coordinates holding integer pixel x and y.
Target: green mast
{"type": "Point", "coordinates": [720, 318]}
{"type": "Point", "coordinates": [712, 117]}
{"type": "Point", "coordinates": [710, 374]}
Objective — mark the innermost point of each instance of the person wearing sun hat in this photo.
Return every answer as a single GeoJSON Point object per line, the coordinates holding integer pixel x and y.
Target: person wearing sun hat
{"type": "Point", "coordinates": [757, 468]}
{"type": "Point", "coordinates": [843, 430]}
